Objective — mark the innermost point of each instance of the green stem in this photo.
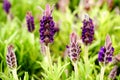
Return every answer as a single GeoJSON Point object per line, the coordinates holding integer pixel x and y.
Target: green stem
{"type": "Point", "coordinates": [48, 56]}
{"type": "Point", "coordinates": [86, 61]}
{"type": "Point", "coordinates": [14, 72]}
{"type": "Point", "coordinates": [102, 73]}
{"type": "Point", "coordinates": [8, 17]}
{"type": "Point", "coordinates": [76, 70]}
{"type": "Point", "coordinates": [86, 54]}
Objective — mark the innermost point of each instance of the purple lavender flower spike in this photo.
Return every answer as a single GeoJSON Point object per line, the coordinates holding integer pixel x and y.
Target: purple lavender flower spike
{"type": "Point", "coordinates": [11, 58]}
{"type": "Point", "coordinates": [87, 30]}
{"type": "Point", "coordinates": [30, 22]}
{"type": "Point", "coordinates": [6, 6]}
{"type": "Point", "coordinates": [47, 27]}
{"type": "Point", "coordinates": [73, 49]}
{"type": "Point", "coordinates": [106, 52]}
{"type": "Point", "coordinates": [113, 72]}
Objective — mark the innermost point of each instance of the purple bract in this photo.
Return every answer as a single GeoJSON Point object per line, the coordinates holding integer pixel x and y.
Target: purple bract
{"type": "Point", "coordinates": [30, 22]}
{"type": "Point", "coordinates": [6, 6]}
{"type": "Point", "coordinates": [106, 52]}
{"type": "Point", "coordinates": [87, 31]}
{"type": "Point", "coordinates": [47, 27]}
{"type": "Point", "coordinates": [11, 58]}
{"type": "Point", "coordinates": [73, 49]}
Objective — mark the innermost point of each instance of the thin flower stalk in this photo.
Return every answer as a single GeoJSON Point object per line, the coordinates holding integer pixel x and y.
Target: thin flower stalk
{"type": "Point", "coordinates": [76, 70]}
{"type": "Point", "coordinates": [102, 72]}
{"type": "Point", "coordinates": [48, 56]}
{"type": "Point", "coordinates": [86, 54]}
{"type": "Point", "coordinates": [86, 60]}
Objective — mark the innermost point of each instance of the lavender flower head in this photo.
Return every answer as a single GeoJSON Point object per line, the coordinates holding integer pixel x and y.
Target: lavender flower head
{"type": "Point", "coordinates": [87, 30]}
{"type": "Point", "coordinates": [106, 52]}
{"type": "Point", "coordinates": [6, 6]}
{"type": "Point", "coordinates": [11, 58]}
{"type": "Point", "coordinates": [30, 22]}
{"type": "Point", "coordinates": [113, 72]}
{"type": "Point", "coordinates": [73, 49]}
{"type": "Point", "coordinates": [47, 26]}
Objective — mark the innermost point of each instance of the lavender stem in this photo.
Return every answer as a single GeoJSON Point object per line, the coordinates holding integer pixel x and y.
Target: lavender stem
{"type": "Point", "coordinates": [14, 72]}
{"type": "Point", "coordinates": [86, 60]}
{"type": "Point", "coordinates": [48, 56]}
{"type": "Point", "coordinates": [76, 70]}
{"type": "Point", "coordinates": [86, 54]}
{"type": "Point", "coordinates": [102, 72]}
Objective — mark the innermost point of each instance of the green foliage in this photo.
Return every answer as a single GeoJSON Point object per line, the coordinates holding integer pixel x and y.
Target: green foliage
{"type": "Point", "coordinates": [55, 72]}
{"type": "Point", "coordinates": [26, 77]}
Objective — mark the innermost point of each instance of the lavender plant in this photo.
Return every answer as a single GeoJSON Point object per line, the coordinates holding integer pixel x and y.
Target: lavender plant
{"type": "Point", "coordinates": [87, 33]}
{"type": "Point", "coordinates": [47, 31]}
{"type": "Point", "coordinates": [74, 51]}
{"type": "Point", "coordinates": [30, 22]}
{"type": "Point", "coordinates": [11, 61]}
{"type": "Point", "coordinates": [105, 55]}
{"type": "Point", "coordinates": [87, 39]}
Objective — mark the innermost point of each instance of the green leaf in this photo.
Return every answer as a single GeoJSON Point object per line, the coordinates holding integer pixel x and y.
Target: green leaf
{"type": "Point", "coordinates": [26, 76]}
{"type": "Point", "coordinates": [3, 76]}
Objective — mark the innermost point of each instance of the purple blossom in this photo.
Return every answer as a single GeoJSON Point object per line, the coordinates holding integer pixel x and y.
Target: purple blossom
{"type": "Point", "coordinates": [11, 58]}
{"type": "Point", "coordinates": [6, 6]}
{"type": "Point", "coordinates": [47, 27]}
{"type": "Point", "coordinates": [106, 52]}
{"type": "Point", "coordinates": [87, 31]}
{"type": "Point", "coordinates": [73, 49]}
{"type": "Point", "coordinates": [30, 22]}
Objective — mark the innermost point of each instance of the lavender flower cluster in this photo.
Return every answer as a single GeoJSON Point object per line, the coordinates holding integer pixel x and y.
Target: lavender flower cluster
{"type": "Point", "coordinates": [11, 58]}
{"type": "Point", "coordinates": [30, 22]}
{"type": "Point", "coordinates": [105, 54]}
{"type": "Point", "coordinates": [87, 30]}
{"type": "Point", "coordinates": [6, 6]}
{"type": "Point", "coordinates": [74, 49]}
{"type": "Point", "coordinates": [47, 29]}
